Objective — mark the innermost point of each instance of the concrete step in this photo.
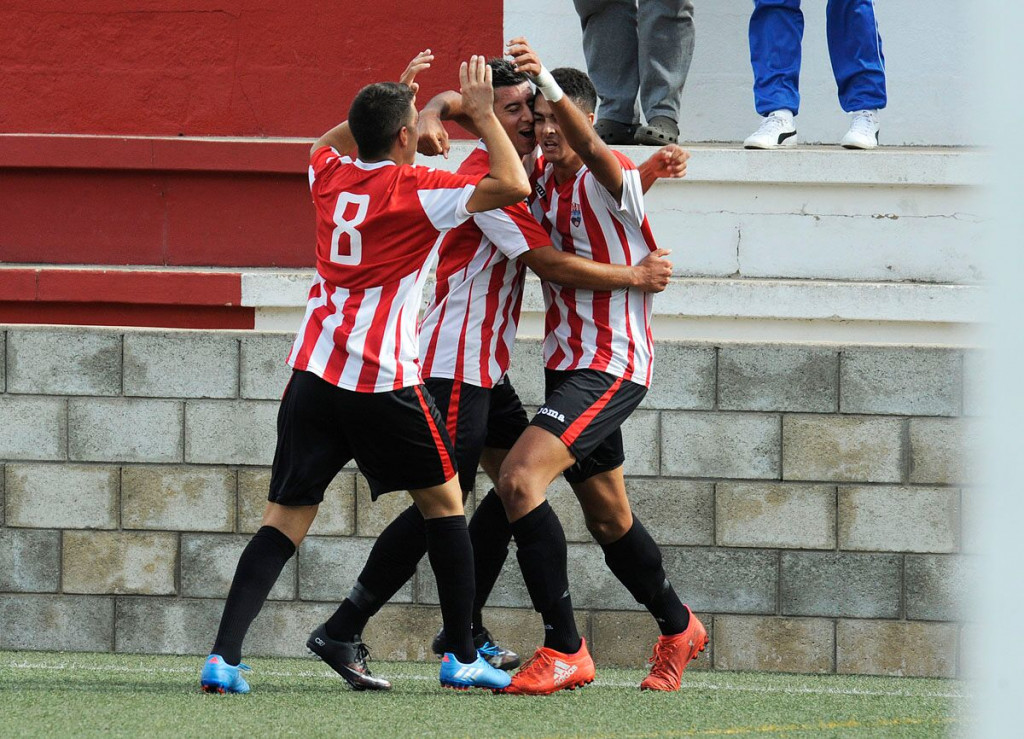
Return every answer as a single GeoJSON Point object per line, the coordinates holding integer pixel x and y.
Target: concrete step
{"type": "Point", "coordinates": [729, 309]}
{"type": "Point", "coordinates": [691, 308]}
{"type": "Point", "coordinates": [810, 243]}
{"type": "Point", "coordinates": [819, 213]}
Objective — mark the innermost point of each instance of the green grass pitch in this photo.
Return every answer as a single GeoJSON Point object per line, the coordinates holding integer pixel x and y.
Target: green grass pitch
{"type": "Point", "coordinates": [44, 694]}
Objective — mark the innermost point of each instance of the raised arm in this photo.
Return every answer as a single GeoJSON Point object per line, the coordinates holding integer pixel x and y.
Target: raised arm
{"type": "Point", "coordinates": [651, 275]}
{"type": "Point", "coordinates": [433, 138]}
{"type": "Point", "coordinates": [506, 182]}
{"type": "Point", "coordinates": [340, 137]}
{"type": "Point", "coordinates": [577, 127]}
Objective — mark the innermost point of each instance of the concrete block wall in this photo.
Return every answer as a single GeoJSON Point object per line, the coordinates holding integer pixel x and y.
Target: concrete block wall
{"type": "Point", "coordinates": [808, 500]}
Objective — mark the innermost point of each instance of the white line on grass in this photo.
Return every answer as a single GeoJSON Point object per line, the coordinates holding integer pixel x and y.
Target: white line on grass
{"type": "Point", "coordinates": [691, 684]}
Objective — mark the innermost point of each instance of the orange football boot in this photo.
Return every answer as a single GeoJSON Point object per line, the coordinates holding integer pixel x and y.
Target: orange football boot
{"type": "Point", "coordinates": [548, 671]}
{"type": "Point", "coordinates": [673, 653]}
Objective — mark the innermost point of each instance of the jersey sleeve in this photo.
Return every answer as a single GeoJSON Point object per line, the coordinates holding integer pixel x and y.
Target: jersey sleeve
{"type": "Point", "coordinates": [444, 196]}
{"type": "Point", "coordinates": [322, 162]}
{"type": "Point", "coordinates": [631, 204]}
{"type": "Point", "coordinates": [513, 229]}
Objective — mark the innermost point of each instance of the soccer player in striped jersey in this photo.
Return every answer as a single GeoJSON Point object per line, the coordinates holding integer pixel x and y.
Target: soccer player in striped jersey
{"type": "Point", "coordinates": [356, 391]}
{"type": "Point", "coordinates": [598, 353]}
{"type": "Point", "coordinates": [467, 336]}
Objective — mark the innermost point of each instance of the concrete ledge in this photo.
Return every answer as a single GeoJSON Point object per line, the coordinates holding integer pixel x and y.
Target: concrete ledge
{"type": "Point", "coordinates": [887, 165]}
{"type": "Point", "coordinates": [711, 162]}
{"type": "Point", "coordinates": [726, 308]}
{"type": "Point", "coordinates": [725, 298]}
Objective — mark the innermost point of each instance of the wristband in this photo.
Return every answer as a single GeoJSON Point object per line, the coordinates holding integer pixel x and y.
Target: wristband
{"type": "Point", "coordinates": [547, 86]}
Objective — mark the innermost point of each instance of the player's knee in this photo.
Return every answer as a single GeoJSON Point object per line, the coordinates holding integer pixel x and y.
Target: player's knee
{"type": "Point", "coordinates": [516, 486]}
{"type": "Point", "coordinates": [607, 528]}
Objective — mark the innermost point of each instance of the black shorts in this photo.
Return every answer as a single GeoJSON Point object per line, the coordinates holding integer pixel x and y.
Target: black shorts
{"type": "Point", "coordinates": [396, 438]}
{"type": "Point", "coordinates": [585, 408]}
{"type": "Point", "coordinates": [477, 417]}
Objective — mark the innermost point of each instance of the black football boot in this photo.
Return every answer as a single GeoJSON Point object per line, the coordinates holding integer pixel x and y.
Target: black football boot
{"type": "Point", "coordinates": [347, 658]}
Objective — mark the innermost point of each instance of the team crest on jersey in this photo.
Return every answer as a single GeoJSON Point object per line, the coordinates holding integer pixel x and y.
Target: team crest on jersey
{"type": "Point", "coordinates": [576, 215]}
{"type": "Point", "coordinates": [541, 192]}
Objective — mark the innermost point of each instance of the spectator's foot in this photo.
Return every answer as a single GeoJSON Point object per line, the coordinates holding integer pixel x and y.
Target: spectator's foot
{"type": "Point", "coordinates": [614, 132]}
{"type": "Point", "coordinates": [658, 132]}
{"type": "Point", "coordinates": [777, 129]}
{"type": "Point", "coordinates": [863, 133]}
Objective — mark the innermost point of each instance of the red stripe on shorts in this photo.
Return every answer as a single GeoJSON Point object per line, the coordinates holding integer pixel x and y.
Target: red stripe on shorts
{"type": "Point", "coordinates": [453, 410]}
{"type": "Point", "coordinates": [576, 428]}
{"type": "Point", "coordinates": [446, 461]}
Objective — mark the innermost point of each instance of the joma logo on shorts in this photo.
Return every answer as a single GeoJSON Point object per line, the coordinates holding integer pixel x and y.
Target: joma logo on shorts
{"type": "Point", "coordinates": [560, 417]}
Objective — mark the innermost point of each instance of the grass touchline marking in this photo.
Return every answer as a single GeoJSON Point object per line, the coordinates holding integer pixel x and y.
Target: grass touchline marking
{"type": "Point", "coordinates": [599, 683]}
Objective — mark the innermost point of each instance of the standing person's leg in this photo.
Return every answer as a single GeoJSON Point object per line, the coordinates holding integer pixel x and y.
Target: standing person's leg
{"type": "Point", "coordinates": [489, 527]}
{"type": "Point", "coordinates": [855, 48]}
{"type": "Point", "coordinates": [776, 32]}
{"type": "Point", "coordinates": [309, 455]}
{"type": "Point", "coordinates": [259, 566]}
{"type": "Point", "coordinates": [535, 460]}
{"type": "Point", "coordinates": [610, 48]}
{"type": "Point", "coordinates": [451, 557]}
{"type": "Point", "coordinates": [399, 442]}
{"type": "Point", "coordinates": [401, 545]}
{"type": "Point", "coordinates": [666, 39]}
{"type": "Point", "coordinates": [581, 406]}
{"type": "Point", "coordinates": [635, 559]}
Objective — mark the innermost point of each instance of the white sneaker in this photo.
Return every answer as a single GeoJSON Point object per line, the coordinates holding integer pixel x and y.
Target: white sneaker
{"type": "Point", "coordinates": [863, 133]}
{"type": "Point", "coordinates": [777, 129]}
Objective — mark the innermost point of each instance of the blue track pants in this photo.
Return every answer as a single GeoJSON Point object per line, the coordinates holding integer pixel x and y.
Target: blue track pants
{"type": "Point", "coordinates": [854, 45]}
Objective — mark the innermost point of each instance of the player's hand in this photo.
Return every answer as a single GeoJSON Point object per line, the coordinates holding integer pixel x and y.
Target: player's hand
{"type": "Point", "coordinates": [433, 138]}
{"type": "Point", "coordinates": [669, 162]}
{"type": "Point", "coordinates": [654, 272]}
{"type": "Point", "coordinates": [477, 92]}
{"type": "Point", "coordinates": [524, 58]}
{"type": "Point", "coordinates": [419, 62]}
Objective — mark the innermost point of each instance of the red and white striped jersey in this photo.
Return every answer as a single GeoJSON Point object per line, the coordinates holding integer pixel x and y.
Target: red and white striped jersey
{"type": "Point", "coordinates": [469, 327]}
{"type": "Point", "coordinates": [378, 229]}
{"type": "Point", "coordinates": [601, 330]}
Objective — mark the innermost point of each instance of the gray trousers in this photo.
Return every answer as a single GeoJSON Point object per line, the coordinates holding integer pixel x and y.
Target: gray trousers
{"type": "Point", "coordinates": [636, 46]}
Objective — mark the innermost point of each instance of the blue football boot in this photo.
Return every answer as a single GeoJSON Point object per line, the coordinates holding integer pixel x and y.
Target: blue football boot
{"type": "Point", "coordinates": [478, 674]}
{"type": "Point", "coordinates": [220, 677]}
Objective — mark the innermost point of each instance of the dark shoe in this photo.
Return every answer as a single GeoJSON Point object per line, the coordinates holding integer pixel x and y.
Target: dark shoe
{"type": "Point", "coordinates": [347, 658]}
{"type": "Point", "coordinates": [658, 132]}
{"type": "Point", "coordinates": [495, 655]}
{"type": "Point", "coordinates": [615, 133]}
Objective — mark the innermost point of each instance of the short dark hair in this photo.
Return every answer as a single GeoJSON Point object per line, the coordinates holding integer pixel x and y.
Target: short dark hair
{"type": "Point", "coordinates": [377, 115]}
{"type": "Point", "coordinates": [503, 74]}
{"type": "Point", "coordinates": [577, 86]}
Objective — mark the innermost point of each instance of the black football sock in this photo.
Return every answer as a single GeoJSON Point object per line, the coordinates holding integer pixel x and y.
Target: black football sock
{"type": "Point", "coordinates": [392, 562]}
{"type": "Point", "coordinates": [636, 561]}
{"type": "Point", "coordinates": [451, 557]}
{"type": "Point", "coordinates": [560, 631]}
{"type": "Point", "coordinates": [490, 532]}
{"type": "Point", "coordinates": [258, 569]}
{"type": "Point", "coordinates": [542, 555]}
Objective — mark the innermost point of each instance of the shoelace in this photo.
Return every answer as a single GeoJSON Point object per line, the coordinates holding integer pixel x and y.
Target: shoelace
{"type": "Point", "coordinates": [660, 665]}
{"type": "Point", "coordinates": [243, 666]}
{"type": "Point", "coordinates": [864, 124]}
{"type": "Point", "coordinates": [491, 650]}
{"type": "Point", "coordinates": [362, 654]}
{"type": "Point", "coordinates": [771, 124]}
{"type": "Point", "coordinates": [538, 658]}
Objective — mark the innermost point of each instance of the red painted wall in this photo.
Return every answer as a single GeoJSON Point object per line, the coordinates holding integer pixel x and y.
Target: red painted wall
{"type": "Point", "coordinates": [229, 68]}
{"type": "Point", "coordinates": [118, 71]}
